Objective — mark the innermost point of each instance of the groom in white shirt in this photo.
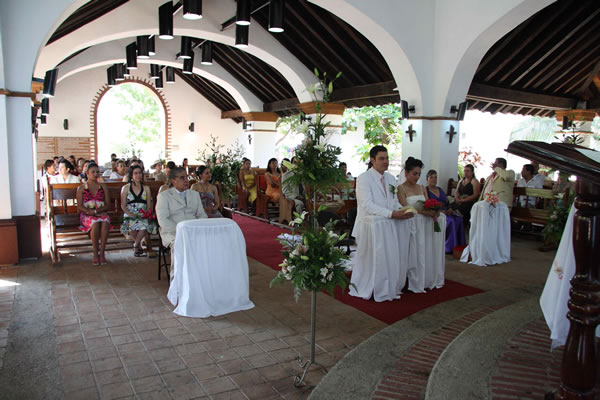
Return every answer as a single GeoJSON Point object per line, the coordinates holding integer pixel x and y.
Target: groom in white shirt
{"type": "Point", "coordinates": [376, 191]}
{"type": "Point", "coordinates": [381, 261]}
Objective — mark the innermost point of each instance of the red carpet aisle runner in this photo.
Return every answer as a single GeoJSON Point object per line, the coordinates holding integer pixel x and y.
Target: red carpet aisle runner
{"type": "Point", "coordinates": [262, 246]}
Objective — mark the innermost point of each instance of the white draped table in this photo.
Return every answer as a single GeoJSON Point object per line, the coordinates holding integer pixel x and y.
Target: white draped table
{"type": "Point", "coordinates": [555, 297]}
{"type": "Point", "coordinates": [389, 251]}
{"type": "Point", "coordinates": [210, 268]}
{"type": "Point", "coordinates": [489, 237]}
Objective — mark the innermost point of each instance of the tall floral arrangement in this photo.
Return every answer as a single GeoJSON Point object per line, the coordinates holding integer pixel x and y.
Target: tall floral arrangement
{"type": "Point", "coordinates": [311, 259]}
{"type": "Point", "coordinates": [224, 164]}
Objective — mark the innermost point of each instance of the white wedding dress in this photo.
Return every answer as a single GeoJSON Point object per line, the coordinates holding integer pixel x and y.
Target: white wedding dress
{"type": "Point", "coordinates": [489, 237]}
{"type": "Point", "coordinates": [426, 251]}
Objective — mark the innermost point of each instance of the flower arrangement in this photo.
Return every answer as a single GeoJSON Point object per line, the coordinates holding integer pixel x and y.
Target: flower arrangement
{"type": "Point", "coordinates": [148, 214]}
{"type": "Point", "coordinates": [224, 165]}
{"type": "Point", "coordinates": [492, 198]}
{"type": "Point", "coordinates": [555, 224]}
{"type": "Point", "coordinates": [433, 204]}
{"type": "Point", "coordinates": [311, 259]}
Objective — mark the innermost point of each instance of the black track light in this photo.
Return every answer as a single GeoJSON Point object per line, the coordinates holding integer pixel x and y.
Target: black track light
{"type": "Point", "coordinates": [154, 71]}
{"type": "Point", "coordinates": [192, 9]}
{"type": "Point", "coordinates": [170, 73]}
{"type": "Point", "coordinates": [186, 47]}
{"type": "Point", "coordinates": [45, 106]}
{"type": "Point", "coordinates": [158, 82]}
{"type": "Point", "coordinates": [165, 21]}
{"type": "Point", "coordinates": [50, 82]}
{"type": "Point", "coordinates": [110, 76]}
{"type": "Point", "coordinates": [131, 55]}
{"type": "Point", "coordinates": [142, 47]}
{"type": "Point", "coordinates": [241, 35]}
{"type": "Point", "coordinates": [242, 13]}
{"type": "Point", "coordinates": [276, 8]}
{"type": "Point", "coordinates": [151, 45]}
{"type": "Point", "coordinates": [188, 65]}
{"type": "Point", "coordinates": [119, 72]}
{"type": "Point", "coordinates": [207, 53]}
{"type": "Point", "coordinates": [43, 119]}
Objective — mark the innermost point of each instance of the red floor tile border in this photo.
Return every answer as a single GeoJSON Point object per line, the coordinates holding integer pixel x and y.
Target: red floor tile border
{"type": "Point", "coordinates": [408, 379]}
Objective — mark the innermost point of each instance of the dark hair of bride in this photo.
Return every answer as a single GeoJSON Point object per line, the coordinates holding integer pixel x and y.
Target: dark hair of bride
{"type": "Point", "coordinates": [412, 163]}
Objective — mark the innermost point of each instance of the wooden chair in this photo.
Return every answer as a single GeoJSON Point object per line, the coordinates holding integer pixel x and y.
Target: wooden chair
{"type": "Point", "coordinates": [265, 208]}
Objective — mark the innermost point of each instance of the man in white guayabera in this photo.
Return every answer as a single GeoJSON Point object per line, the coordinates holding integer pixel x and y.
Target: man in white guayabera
{"type": "Point", "coordinates": [378, 229]}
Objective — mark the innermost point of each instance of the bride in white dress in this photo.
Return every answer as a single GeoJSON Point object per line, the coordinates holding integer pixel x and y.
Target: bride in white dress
{"type": "Point", "coordinates": [427, 261]}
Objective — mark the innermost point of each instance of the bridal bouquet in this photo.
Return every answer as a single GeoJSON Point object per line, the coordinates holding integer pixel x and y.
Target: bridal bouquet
{"type": "Point", "coordinates": [311, 260]}
{"type": "Point", "coordinates": [148, 214]}
{"type": "Point", "coordinates": [492, 198]}
{"type": "Point", "coordinates": [433, 204]}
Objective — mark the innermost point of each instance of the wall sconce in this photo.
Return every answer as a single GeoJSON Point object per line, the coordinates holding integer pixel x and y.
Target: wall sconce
{"type": "Point", "coordinates": [406, 109]}
{"type": "Point", "coordinates": [66, 124]}
{"type": "Point", "coordinates": [410, 132]}
{"type": "Point", "coordinates": [460, 111]}
{"type": "Point", "coordinates": [43, 119]}
{"type": "Point", "coordinates": [45, 106]}
{"type": "Point", "coordinates": [50, 82]}
{"type": "Point", "coordinates": [191, 127]}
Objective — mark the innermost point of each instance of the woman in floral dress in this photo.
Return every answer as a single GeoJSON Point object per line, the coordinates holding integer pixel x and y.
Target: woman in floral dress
{"type": "Point", "coordinates": [92, 200]}
{"type": "Point", "coordinates": [138, 220]}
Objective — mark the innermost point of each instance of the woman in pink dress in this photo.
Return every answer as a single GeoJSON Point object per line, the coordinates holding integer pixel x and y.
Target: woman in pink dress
{"type": "Point", "coordinates": [92, 200]}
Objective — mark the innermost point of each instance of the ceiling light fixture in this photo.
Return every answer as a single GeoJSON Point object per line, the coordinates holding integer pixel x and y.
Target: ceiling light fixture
{"type": "Point", "coordinates": [131, 55]}
{"type": "Point", "coordinates": [165, 21]}
{"type": "Point", "coordinates": [45, 106]}
{"type": "Point", "coordinates": [142, 47]}
{"type": "Point", "coordinates": [276, 8]}
{"type": "Point", "coordinates": [170, 73]}
{"type": "Point", "coordinates": [242, 14]}
{"type": "Point", "coordinates": [241, 36]}
{"type": "Point", "coordinates": [192, 9]}
{"type": "Point", "coordinates": [50, 82]}
{"type": "Point", "coordinates": [186, 47]}
{"type": "Point", "coordinates": [110, 76]}
{"type": "Point", "coordinates": [119, 72]}
{"type": "Point", "coordinates": [207, 53]}
{"type": "Point", "coordinates": [188, 65]}
{"type": "Point", "coordinates": [154, 71]}
{"type": "Point", "coordinates": [158, 82]}
{"type": "Point", "coordinates": [151, 45]}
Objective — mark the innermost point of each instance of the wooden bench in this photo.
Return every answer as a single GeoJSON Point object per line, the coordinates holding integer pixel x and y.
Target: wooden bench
{"type": "Point", "coordinates": [265, 207]}
{"type": "Point", "coordinates": [63, 221]}
{"type": "Point", "coordinates": [538, 215]}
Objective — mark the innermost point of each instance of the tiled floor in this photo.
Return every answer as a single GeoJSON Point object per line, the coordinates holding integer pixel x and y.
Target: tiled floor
{"type": "Point", "coordinates": [7, 296]}
{"type": "Point", "coordinates": [117, 337]}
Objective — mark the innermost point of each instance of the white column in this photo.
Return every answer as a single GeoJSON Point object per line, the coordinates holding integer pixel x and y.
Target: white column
{"type": "Point", "coordinates": [5, 197]}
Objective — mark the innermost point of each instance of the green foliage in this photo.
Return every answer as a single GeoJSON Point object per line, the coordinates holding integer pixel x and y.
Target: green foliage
{"type": "Point", "coordinates": [555, 224]}
{"type": "Point", "coordinates": [142, 115]}
{"type": "Point", "coordinates": [311, 261]}
{"type": "Point", "coordinates": [383, 125]}
{"type": "Point", "coordinates": [224, 164]}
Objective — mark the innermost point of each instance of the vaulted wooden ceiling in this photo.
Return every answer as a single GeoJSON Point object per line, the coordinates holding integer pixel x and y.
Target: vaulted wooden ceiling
{"type": "Point", "coordinates": [550, 61]}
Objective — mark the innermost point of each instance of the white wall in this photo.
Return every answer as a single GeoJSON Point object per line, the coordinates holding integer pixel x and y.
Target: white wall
{"type": "Point", "coordinates": [74, 97]}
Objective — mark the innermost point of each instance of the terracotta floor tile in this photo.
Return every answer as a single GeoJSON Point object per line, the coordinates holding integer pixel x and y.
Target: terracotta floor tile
{"type": "Point", "coordinates": [153, 344]}
{"type": "Point", "coordinates": [144, 326]}
{"type": "Point", "coordinates": [161, 394]}
{"type": "Point", "coordinates": [195, 360]}
{"type": "Point", "coordinates": [114, 375]}
{"type": "Point", "coordinates": [207, 372]}
{"type": "Point", "coordinates": [223, 355]}
{"type": "Point", "coordinates": [231, 395]}
{"type": "Point", "coordinates": [262, 336]}
{"type": "Point", "coordinates": [115, 390]}
{"type": "Point", "coordinates": [261, 360]}
{"type": "Point", "coordinates": [70, 358]}
{"type": "Point", "coordinates": [135, 358]}
{"type": "Point", "coordinates": [104, 352]}
{"type": "Point", "coordinates": [238, 340]}
{"type": "Point", "coordinates": [81, 368]}
{"type": "Point", "coordinates": [120, 330]}
{"type": "Point", "coordinates": [106, 364]}
{"type": "Point", "coordinates": [188, 349]}
{"type": "Point", "coordinates": [71, 347]}
{"type": "Point", "coordinates": [284, 354]}
{"type": "Point", "coordinates": [97, 343]}
{"type": "Point", "coordinates": [163, 354]}
{"type": "Point", "coordinates": [148, 384]}
{"type": "Point", "coordinates": [137, 371]}
{"type": "Point", "coordinates": [275, 372]}
{"type": "Point", "coordinates": [234, 366]}
{"type": "Point", "coordinates": [130, 348]}
{"type": "Point", "coordinates": [78, 382]}
{"type": "Point", "coordinates": [176, 364]}
{"type": "Point", "coordinates": [247, 378]}
{"type": "Point", "coordinates": [96, 333]}
{"type": "Point", "coordinates": [206, 335]}
{"type": "Point", "coordinates": [261, 392]}
{"type": "Point", "coordinates": [218, 385]}
{"type": "Point", "coordinates": [66, 329]}
{"type": "Point", "coordinates": [177, 378]}
{"type": "Point", "coordinates": [274, 344]}
{"type": "Point", "coordinates": [248, 350]}
{"type": "Point", "coordinates": [168, 323]}
{"type": "Point", "coordinates": [151, 334]}
{"type": "Point", "coordinates": [111, 323]}
{"type": "Point", "coordinates": [175, 331]}
{"type": "Point", "coordinates": [182, 339]}
{"type": "Point", "coordinates": [124, 339]}
{"type": "Point", "coordinates": [83, 394]}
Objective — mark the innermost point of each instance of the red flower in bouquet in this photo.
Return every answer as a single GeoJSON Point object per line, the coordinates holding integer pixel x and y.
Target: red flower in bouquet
{"type": "Point", "coordinates": [433, 204]}
{"type": "Point", "coordinates": [148, 214]}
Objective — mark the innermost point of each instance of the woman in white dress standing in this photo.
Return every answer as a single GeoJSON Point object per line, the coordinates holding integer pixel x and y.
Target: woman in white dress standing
{"type": "Point", "coordinates": [426, 248]}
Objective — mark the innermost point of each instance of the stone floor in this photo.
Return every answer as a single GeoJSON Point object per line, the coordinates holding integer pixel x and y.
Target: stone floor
{"type": "Point", "coordinates": [79, 331]}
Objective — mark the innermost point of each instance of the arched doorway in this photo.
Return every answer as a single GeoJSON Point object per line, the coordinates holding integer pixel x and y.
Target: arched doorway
{"type": "Point", "coordinates": [130, 119]}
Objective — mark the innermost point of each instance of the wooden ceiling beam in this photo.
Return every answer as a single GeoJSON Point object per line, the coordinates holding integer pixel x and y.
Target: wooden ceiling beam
{"type": "Point", "coordinates": [281, 105]}
{"type": "Point", "coordinates": [232, 114]}
{"type": "Point", "coordinates": [567, 76]}
{"type": "Point", "coordinates": [364, 92]}
{"type": "Point", "coordinates": [483, 92]}
{"type": "Point", "coordinates": [588, 81]}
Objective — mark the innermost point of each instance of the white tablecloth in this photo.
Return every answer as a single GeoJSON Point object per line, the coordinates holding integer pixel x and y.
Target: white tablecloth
{"type": "Point", "coordinates": [427, 254]}
{"type": "Point", "coordinates": [555, 296]}
{"type": "Point", "coordinates": [210, 268]}
{"type": "Point", "coordinates": [489, 237]}
{"type": "Point", "coordinates": [381, 260]}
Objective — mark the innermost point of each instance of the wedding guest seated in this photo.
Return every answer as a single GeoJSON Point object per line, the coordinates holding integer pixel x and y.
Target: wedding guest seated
{"type": "Point", "coordinates": [208, 192]}
{"type": "Point", "coordinates": [136, 203]}
{"type": "Point", "coordinates": [64, 173]}
{"type": "Point", "coordinates": [170, 166]}
{"type": "Point", "coordinates": [291, 192]}
{"type": "Point", "coordinates": [427, 247]}
{"type": "Point", "coordinates": [248, 180]}
{"type": "Point", "coordinates": [73, 161]}
{"type": "Point", "coordinates": [158, 173]}
{"type": "Point", "coordinates": [455, 231]}
{"type": "Point", "coordinates": [109, 165]}
{"type": "Point", "coordinates": [377, 203]}
{"type": "Point", "coordinates": [177, 204]}
{"type": "Point", "coordinates": [121, 170]}
{"type": "Point", "coordinates": [92, 203]}
{"type": "Point", "coordinates": [467, 193]}
{"type": "Point", "coordinates": [489, 236]}
{"type": "Point", "coordinates": [111, 169]}
{"type": "Point", "coordinates": [132, 163]}
{"type": "Point", "coordinates": [538, 178]}
{"type": "Point", "coordinates": [273, 177]}
{"type": "Point", "coordinates": [83, 168]}
{"type": "Point", "coordinates": [185, 166]}
{"type": "Point", "coordinates": [49, 169]}
{"type": "Point", "coordinates": [501, 181]}
{"type": "Point", "coordinates": [527, 180]}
